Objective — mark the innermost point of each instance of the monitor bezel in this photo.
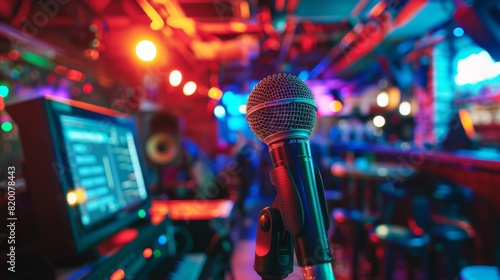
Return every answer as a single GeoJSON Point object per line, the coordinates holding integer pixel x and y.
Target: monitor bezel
{"type": "Point", "coordinates": [85, 238]}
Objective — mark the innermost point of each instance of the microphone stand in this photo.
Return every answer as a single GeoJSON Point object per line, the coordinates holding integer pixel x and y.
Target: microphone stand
{"type": "Point", "coordinates": [274, 244]}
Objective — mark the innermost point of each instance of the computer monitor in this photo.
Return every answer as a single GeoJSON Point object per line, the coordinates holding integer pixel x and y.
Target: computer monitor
{"type": "Point", "coordinates": [84, 173]}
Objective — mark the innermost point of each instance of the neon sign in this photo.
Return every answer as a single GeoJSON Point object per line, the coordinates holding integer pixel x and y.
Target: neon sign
{"type": "Point", "coordinates": [476, 68]}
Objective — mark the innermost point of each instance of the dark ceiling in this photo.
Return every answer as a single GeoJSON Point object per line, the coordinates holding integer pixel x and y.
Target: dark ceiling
{"type": "Point", "coordinates": [234, 41]}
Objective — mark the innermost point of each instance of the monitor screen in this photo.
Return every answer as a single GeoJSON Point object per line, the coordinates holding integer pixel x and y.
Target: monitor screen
{"type": "Point", "coordinates": [84, 172]}
{"type": "Point", "coordinates": [105, 168]}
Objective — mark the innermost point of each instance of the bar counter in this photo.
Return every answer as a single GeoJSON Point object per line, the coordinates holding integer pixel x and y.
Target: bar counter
{"type": "Point", "coordinates": [485, 159]}
{"type": "Point", "coordinates": [478, 170]}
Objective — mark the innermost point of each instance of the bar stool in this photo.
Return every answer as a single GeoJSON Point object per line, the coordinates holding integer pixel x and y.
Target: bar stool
{"type": "Point", "coordinates": [350, 228]}
{"type": "Point", "coordinates": [447, 225]}
{"type": "Point", "coordinates": [349, 223]}
{"type": "Point", "coordinates": [450, 227]}
{"type": "Point", "coordinates": [479, 272]}
{"type": "Point", "coordinates": [362, 210]}
{"type": "Point", "coordinates": [393, 238]}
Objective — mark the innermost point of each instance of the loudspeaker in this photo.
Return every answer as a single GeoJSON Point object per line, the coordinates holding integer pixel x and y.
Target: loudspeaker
{"type": "Point", "coordinates": [161, 135]}
{"type": "Point", "coordinates": [481, 21]}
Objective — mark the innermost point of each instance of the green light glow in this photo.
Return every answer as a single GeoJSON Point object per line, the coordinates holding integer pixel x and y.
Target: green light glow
{"type": "Point", "coordinates": [142, 214]}
{"type": "Point", "coordinates": [38, 60]}
{"type": "Point", "coordinates": [4, 91]}
{"type": "Point", "coordinates": [7, 126]}
{"type": "Point", "coordinates": [157, 253]}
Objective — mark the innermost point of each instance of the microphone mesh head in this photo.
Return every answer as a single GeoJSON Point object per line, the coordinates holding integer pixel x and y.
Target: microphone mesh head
{"type": "Point", "coordinates": [285, 117]}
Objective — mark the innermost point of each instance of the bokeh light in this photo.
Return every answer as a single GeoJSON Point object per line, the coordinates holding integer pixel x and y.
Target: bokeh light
{"type": "Point", "coordinates": [87, 88]}
{"type": "Point", "coordinates": [215, 93]}
{"type": "Point", "coordinates": [175, 78]}
{"type": "Point", "coordinates": [379, 121]}
{"type": "Point", "coordinates": [405, 108]}
{"type": "Point", "coordinates": [145, 50]}
{"type": "Point", "coordinates": [189, 88]}
{"type": "Point", "coordinates": [219, 112]}
{"type": "Point", "coordinates": [4, 91]}
{"type": "Point", "coordinates": [71, 198]}
{"type": "Point", "coordinates": [458, 32]}
{"type": "Point", "coordinates": [7, 126]}
{"type": "Point", "coordinates": [242, 109]}
{"type": "Point", "coordinates": [383, 99]}
{"type": "Point", "coordinates": [141, 213]}
{"type": "Point", "coordinates": [335, 106]}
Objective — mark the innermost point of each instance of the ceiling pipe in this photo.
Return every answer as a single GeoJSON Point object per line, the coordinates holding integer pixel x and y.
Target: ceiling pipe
{"type": "Point", "coordinates": [364, 38]}
{"type": "Point", "coordinates": [372, 34]}
{"type": "Point", "coordinates": [157, 22]}
{"type": "Point", "coordinates": [172, 9]}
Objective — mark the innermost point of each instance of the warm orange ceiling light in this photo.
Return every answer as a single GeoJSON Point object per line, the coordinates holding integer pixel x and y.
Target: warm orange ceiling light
{"type": "Point", "coordinates": [238, 27]}
{"type": "Point", "coordinates": [215, 93]}
{"type": "Point", "coordinates": [184, 23]}
{"type": "Point", "coordinates": [244, 10]}
{"type": "Point", "coordinates": [156, 20]}
{"type": "Point", "coordinates": [175, 78]}
{"type": "Point", "coordinates": [156, 25]}
{"type": "Point", "coordinates": [189, 88]}
{"type": "Point", "coordinates": [145, 50]}
{"type": "Point", "coordinates": [335, 106]}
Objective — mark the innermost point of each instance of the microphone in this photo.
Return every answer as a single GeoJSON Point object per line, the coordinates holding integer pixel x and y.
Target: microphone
{"type": "Point", "coordinates": [281, 112]}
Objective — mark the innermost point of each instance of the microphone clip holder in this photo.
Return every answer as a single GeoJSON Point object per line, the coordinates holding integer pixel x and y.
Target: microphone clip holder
{"type": "Point", "coordinates": [274, 243]}
{"type": "Point", "coordinates": [274, 247]}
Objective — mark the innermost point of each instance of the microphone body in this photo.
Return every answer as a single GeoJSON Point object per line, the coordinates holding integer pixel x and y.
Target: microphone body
{"type": "Point", "coordinates": [281, 111]}
{"type": "Point", "coordinates": [299, 200]}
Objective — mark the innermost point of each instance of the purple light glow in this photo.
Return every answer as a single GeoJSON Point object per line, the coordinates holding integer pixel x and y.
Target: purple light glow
{"type": "Point", "coordinates": [322, 94]}
{"type": "Point", "coordinates": [60, 92]}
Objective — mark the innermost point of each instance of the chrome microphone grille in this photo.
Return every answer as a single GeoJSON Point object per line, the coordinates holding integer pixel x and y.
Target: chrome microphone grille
{"type": "Point", "coordinates": [281, 103]}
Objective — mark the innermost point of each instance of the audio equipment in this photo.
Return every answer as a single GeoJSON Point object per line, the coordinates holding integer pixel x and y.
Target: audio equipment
{"type": "Point", "coordinates": [160, 132]}
{"type": "Point", "coordinates": [281, 112]}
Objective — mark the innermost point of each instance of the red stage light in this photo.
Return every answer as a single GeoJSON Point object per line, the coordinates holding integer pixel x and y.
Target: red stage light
{"type": "Point", "coordinates": [75, 75]}
{"type": "Point", "coordinates": [87, 88]}
{"type": "Point", "coordinates": [119, 274]}
{"type": "Point", "coordinates": [13, 55]}
{"type": "Point", "coordinates": [124, 237]}
{"type": "Point", "coordinates": [147, 253]}
{"type": "Point", "coordinates": [92, 54]}
{"type": "Point", "coordinates": [2, 104]}
{"type": "Point", "coordinates": [60, 69]}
